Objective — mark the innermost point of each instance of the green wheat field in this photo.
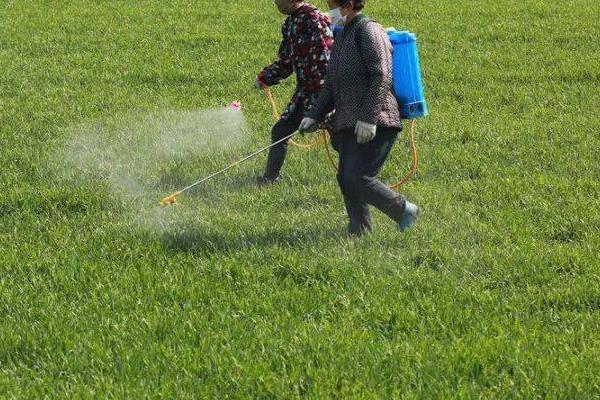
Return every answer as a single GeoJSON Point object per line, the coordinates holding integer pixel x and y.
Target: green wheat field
{"type": "Point", "coordinates": [247, 292]}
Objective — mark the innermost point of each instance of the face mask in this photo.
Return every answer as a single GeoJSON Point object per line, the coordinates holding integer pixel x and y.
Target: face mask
{"type": "Point", "coordinates": [336, 16]}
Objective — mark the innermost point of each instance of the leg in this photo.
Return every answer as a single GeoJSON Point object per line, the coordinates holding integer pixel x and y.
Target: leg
{"type": "Point", "coordinates": [348, 180]}
{"type": "Point", "coordinates": [372, 190]}
{"type": "Point", "coordinates": [283, 128]}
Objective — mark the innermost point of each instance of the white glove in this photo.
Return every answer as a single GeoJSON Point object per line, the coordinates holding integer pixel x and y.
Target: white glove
{"type": "Point", "coordinates": [307, 125]}
{"type": "Point", "coordinates": [365, 132]}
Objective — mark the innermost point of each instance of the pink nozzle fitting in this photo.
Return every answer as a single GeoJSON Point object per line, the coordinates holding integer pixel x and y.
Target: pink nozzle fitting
{"type": "Point", "coordinates": [236, 106]}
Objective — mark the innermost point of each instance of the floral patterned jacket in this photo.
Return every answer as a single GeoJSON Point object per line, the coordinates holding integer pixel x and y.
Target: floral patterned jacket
{"type": "Point", "coordinates": [305, 50]}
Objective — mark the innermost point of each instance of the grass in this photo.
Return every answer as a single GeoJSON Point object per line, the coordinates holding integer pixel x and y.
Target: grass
{"type": "Point", "coordinates": [257, 293]}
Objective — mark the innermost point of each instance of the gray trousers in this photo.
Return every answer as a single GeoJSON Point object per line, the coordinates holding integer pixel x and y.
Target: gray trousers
{"type": "Point", "coordinates": [359, 165]}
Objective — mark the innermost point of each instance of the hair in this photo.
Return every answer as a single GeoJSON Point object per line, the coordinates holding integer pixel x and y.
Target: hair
{"type": "Point", "coordinates": [358, 4]}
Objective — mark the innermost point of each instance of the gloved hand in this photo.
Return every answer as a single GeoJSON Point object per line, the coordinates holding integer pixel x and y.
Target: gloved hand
{"type": "Point", "coordinates": [258, 83]}
{"type": "Point", "coordinates": [364, 132]}
{"type": "Point", "coordinates": [307, 125]}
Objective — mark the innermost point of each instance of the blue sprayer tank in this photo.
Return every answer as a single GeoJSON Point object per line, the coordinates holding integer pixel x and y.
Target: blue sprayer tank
{"type": "Point", "coordinates": [406, 74]}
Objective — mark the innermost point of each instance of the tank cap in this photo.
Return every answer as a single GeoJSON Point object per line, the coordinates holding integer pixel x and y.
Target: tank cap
{"type": "Point", "coordinates": [398, 37]}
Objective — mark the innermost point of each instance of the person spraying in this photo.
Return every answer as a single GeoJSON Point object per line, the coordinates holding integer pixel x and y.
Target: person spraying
{"type": "Point", "coordinates": [304, 50]}
{"type": "Point", "coordinates": [367, 117]}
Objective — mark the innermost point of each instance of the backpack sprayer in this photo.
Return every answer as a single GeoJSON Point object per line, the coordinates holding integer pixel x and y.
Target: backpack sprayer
{"type": "Point", "coordinates": [408, 89]}
{"type": "Point", "coordinates": [406, 74]}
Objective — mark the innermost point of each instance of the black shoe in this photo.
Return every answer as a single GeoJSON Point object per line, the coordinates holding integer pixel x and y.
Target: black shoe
{"type": "Point", "coordinates": [263, 180]}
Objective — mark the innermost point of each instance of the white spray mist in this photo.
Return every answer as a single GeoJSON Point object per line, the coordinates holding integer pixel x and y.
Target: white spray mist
{"type": "Point", "coordinates": [143, 157]}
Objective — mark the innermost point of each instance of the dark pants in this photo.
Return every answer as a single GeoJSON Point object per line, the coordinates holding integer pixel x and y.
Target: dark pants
{"type": "Point", "coordinates": [359, 165]}
{"type": "Point", "coordinates": [281, 129]}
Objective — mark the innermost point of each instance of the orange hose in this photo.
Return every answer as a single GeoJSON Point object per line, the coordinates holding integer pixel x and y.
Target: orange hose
{"type": "Point", "coordinates": [267, 91]}
{"type": "Point", "coordinates": [415, 157]}
{"type": "Point", "coordinates": [327, 150]}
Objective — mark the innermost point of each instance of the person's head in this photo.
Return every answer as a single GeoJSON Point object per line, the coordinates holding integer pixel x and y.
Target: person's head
{"type": "Point", "coordinates": [341, 11]}
{"type": "Point", "coordinates": [288, 6]}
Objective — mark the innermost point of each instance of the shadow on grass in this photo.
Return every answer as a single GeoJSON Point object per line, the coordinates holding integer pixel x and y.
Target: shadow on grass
{"type": "Point", "coordinates": [203, 241]}
{"type": "Point", "coordinates": [244, 180]}
{"type": "Point", "coordinates": [214, 188]}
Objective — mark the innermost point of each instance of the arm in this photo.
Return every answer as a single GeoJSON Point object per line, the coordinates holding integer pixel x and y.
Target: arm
{"type": "Point", "coordinates": [376, 55]}
{"type": "Point", "coordinates": [323, 105]}
{"type": "Point", "coordinates": [320, 41]}
{"type": "Point", "coordinates": [315, 42]}
{"type": "Point", "coordinates": [280, 69]}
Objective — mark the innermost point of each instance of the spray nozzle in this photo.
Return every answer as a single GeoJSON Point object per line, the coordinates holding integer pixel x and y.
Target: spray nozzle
{"type": "Point", "coordinates": [169, 200]}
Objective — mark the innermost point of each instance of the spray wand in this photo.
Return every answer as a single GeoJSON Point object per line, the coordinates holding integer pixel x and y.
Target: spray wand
{"type": "Point", "coordinates": [172, 199]}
